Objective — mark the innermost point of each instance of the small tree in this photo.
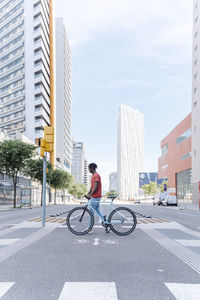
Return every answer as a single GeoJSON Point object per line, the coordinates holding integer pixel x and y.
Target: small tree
{"type": "Point", "coordinates": [150, 189]}
{"type": "Point", "coordinates": [34, 169]}
{"type": "Point", "coordinates": [78, 190]}
{"type": "Point", "coordinates": [60, 180]}
{"type": "Point", "coordinates": [112, 193]}
{"type": "Point", "coordinates": [14, 156]}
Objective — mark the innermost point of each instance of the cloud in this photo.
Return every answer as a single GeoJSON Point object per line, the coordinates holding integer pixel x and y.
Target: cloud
{"type": "Point", "coordinates": [128, 82]}
{"type": "Point", "coordinates": [169, 19]}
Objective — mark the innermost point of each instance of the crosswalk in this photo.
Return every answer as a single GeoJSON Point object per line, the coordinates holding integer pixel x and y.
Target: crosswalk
{"type": "Point", "coordinates": [105, 291]}
{"type": "Point", "coordinates": [4, 287]}
{"type": "Point", "coordinates": [62, 220]}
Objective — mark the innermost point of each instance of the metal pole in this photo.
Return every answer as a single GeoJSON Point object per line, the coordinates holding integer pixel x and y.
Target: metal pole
{"type": "Point", "coordinates": [44, 190]}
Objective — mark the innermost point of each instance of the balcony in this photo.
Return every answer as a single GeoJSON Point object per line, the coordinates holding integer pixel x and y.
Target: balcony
{"type": "Point", "coordinates": [41, 102]}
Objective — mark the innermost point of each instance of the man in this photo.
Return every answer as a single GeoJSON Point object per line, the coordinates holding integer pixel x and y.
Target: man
{"type": "Point", "coordinates": [95, 189]}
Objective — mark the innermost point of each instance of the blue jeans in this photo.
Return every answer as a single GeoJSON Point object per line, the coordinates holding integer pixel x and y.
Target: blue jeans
{"type": "Point", "coordinates": [95, 206]}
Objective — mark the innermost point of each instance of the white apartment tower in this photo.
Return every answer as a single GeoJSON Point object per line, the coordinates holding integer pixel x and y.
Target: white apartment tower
{"type": "Point", "coordinates": [130, 156]}
{"type": "Point", "coordinates": [26, 67]}
{"type": "Point", "coordinates": [196, 103]}
{"type": "Point", "coordinates": [77, 165]}
{"type": "Point", "coordinates": [63, 96]}
{"type": "Point", "coordinates": [86, 179]}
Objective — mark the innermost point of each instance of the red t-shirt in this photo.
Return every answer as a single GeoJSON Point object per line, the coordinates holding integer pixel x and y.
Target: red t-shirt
{"type": "Point", "coordinates": [96, 177]}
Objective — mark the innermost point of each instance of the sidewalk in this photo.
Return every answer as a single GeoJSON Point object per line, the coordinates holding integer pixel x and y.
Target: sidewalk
{"type": "Point", "coordinates": [188, 206]}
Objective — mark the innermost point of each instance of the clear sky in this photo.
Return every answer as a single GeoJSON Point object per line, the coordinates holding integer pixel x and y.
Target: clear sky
{"type": "Point", "coordinates": [127, 51]}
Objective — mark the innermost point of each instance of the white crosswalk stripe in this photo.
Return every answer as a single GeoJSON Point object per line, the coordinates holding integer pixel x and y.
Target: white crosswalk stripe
{"type": "Point", "coordinates": [5, 242]}
{"type": "Point", "coordinates": [89, 291]}
{"type": "Point", "coordinates": [4, 287]}
{"type": "Point", "coordinates": [183, 291]}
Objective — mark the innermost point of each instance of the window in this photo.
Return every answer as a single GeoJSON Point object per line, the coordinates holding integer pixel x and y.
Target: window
{"type": "Point", "coordinates": [164, 166]}
{"type": "Point", "coordinates": [195, 90]}
{"type": "Point", "coordinates": [196, 33]}
{"type": "Point", "coordinates": [196, 19]}
{"type": "Point", "coordinates": [164, 150]}
{"type": "Point", "coordinates": [184, 136]}
{"type": "Point", "coordinates": [195, 62]}
{"type": "Point", "coordinates": [195, 48]}
{"type": "Point", "coordinates": [186, 156]}
{"type": "Point", "coordinates": [195, 76]}
{"type": "Point", "coordinates": [195, 104]}
{"type": "Point", "coordinates": [195, 129]}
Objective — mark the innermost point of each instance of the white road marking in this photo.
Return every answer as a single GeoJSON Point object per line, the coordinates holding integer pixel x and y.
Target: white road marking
{"type": "Point", "coordinates": [111, 242]}
{"type": "Point", "coordinates": [89, 291]}
{"type": "Point", "coordinates": [189, 257]}
{"type": "Point", "coordinates": [4, 287]}
{"type": "Point", "coordinates": [96, 242]}
{"type": "Point", "coordinates": [80, 241]}
{"type": "Point", "coordinates": [5, 242]}
{"type": "Point", "coordinates": [189, 243]}
{"type": "Point", "coordinates": [183, 291]}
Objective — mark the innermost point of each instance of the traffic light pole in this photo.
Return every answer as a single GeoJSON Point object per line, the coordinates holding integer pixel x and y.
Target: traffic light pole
{"type": "Point", "coordinates": [44, 190]}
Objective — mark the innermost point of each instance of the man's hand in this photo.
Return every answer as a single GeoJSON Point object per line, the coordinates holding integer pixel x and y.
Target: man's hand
{"type": "Point", "coordinates": [88, 195]}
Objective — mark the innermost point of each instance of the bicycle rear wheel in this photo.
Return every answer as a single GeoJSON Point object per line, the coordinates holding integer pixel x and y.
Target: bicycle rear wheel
{"type": "Point", "coordinates": [80, 220]}
{"type": "Point", "coordinates": [122, 221]}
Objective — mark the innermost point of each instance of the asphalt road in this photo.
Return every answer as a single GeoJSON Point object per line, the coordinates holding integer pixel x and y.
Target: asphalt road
{"type": "Point", "coordinates": [157, 261]}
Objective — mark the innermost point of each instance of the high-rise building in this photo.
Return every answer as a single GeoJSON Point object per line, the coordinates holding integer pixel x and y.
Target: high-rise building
{"type": "Point", "coordinates": [63, 96]}
{"type": "Point", "coordinates": [196, 104]}
{"type": "Point", "coordinates": [130, 160]}
{"type": "Point", "coordinates": [77, 165]}
{"type": "Point", "coordinates": [86, 179]}
{"type": "Point", "coordinates": [113, 181]}
{"type": "Point", "coordinates": [26, 67]}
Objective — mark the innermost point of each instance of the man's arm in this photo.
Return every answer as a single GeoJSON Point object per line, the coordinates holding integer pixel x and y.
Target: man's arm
{"type": "Point", "coordinates": [96, 184]}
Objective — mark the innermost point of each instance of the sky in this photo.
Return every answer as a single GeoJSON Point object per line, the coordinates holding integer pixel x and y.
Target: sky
{"type": "Point", "coordinates": [127, 51]}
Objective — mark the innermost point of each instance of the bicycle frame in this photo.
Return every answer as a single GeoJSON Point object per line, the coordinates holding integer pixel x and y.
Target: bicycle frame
{"type": "Point", "coordinates": [88, 204]}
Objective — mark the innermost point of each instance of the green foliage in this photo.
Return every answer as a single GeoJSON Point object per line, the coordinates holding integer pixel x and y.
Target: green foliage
{"type": "Point", "coordinates": [34, 169]}
{"type": "Point", "coordinates": [150, 189]}
{"type": "Point", "coordinates": [78, 190]}
{"type": "Point", "coordinates": [60, 179]}
{"type": "Point", "coordinates": [111, 193]}
{"type": "Point", "coordinates": [161, 186]}
{"type": "Point", "coordinates": [14, 156]}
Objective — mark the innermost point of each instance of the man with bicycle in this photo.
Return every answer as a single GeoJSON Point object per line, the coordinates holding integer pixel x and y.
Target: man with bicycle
{"type": "Point", "coordinates": [95, 189]}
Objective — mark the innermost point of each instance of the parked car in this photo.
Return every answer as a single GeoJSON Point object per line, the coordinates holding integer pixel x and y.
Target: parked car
{"type": "Point", "coordinates": [165, 199]}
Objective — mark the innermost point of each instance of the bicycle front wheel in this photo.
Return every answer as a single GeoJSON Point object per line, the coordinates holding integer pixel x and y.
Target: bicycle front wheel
{"type": "Point", "coordinates": [122, 221]}
{"type": "Point", "coordinates": [80, 220]}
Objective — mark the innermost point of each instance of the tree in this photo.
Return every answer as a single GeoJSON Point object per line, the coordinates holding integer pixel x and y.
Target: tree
{"type": "Point", "coordinates": [34, 169]}
{"type": "Point", "coordinates": [111, 193]}
{"type": "Point", "coordinates": [161, 186]}
{"type": "Point", "coordinates": [150, 189]}
{"type": "Point", "coordinates": [14, 156]}
{"type": "Point", "coordinates": [78, 190]}
{"type": "Point", "coordinates": [60, 180]}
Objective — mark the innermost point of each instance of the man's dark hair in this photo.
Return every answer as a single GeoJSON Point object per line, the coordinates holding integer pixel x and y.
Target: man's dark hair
{"type": "Point", "coordinates": [93, 166]}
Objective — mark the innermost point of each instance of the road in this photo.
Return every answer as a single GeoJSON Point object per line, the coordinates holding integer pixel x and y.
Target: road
{"type": "Point", "coordinates": [160, 260]}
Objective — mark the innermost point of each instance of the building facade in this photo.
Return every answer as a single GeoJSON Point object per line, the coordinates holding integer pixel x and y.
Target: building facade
{"type": "Point", "coordinates": [63, 97]}
{"type": "Point", "coordinates": [175, 162]}
{"type": "Point", "coordinates": [130, 160]}
{"type": "Point", "coordinates": [113, 181]}
{"type": "Point", "coordinates": [196, 103]}
{"type": "Point", "coordinates": [26, 67]}
{"type": "Point", "coordinates": [78, 162]}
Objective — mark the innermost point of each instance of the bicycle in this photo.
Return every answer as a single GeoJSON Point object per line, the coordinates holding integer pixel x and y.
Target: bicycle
{"type": "Point", "coordinates": [80, 220]}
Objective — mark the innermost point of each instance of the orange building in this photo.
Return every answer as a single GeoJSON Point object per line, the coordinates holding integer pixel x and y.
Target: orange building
{"type": "Point", "coordinates": [175, 162]}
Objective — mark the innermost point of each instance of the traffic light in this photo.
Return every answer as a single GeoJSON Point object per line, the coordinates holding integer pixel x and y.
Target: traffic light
{"type": "Point", "coordinates": [47, 143]}
{"type": "Point", "coordinates": [49, 138]}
